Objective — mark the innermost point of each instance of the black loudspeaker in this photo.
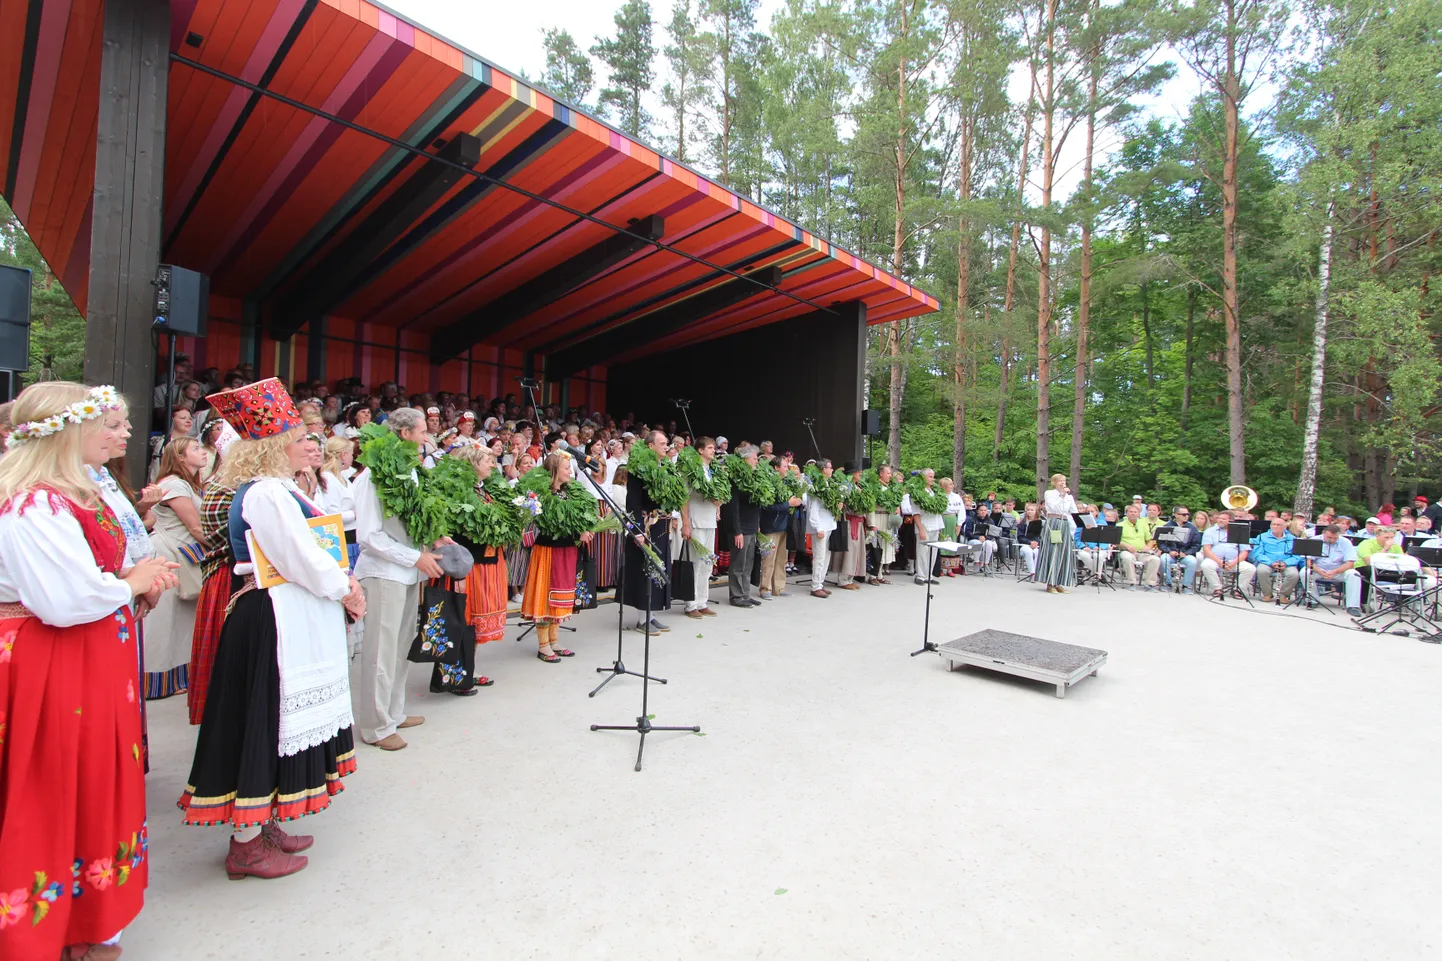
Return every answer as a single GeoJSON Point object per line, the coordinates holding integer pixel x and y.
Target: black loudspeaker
{"type": "Point", "coordinates": [871, 423]}
{"type": "Point", "coordinates": [14, 318]}
{"type": "Point", "coordinates": [182, 300]}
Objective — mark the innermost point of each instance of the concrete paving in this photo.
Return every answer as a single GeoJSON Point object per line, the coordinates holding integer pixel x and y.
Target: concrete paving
{"type": "Point", "coordinates": [1234, 785]}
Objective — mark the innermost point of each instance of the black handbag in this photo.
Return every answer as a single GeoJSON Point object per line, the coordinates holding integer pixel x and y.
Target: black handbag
{"type": "Point", "coordinates": [683, 575]}
{"type": "Point", "coordinates": [836, 543]}
{"type": "Point", "coordinates": [585, 579]}
{"type": "Point", "coordinates": [444, 632]}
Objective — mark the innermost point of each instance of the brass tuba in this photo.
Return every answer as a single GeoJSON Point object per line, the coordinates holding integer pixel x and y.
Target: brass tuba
{"type": "Point", "coordinates": [1239, 497]}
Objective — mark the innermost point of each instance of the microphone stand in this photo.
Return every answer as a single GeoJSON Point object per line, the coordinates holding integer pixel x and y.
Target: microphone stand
{"type": "Point", "coordinates": [629, 528]}
{"type": "Point", "coordinates": [643, 726]}
{"type": "Point", "coordinates": [684, 406]}
{"type": "Point", "coordinates": [810, 422]}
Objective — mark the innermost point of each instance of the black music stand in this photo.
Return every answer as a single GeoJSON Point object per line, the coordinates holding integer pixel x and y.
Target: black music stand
{"type": "Point", "coordinates": [1240, 534]}
{"type": "Point", "coordinates": [1108, 537]}
{"type": "Point", "coordinates": [936, 546]}
{"type": "Point", "coordinates": [1172, 537]}
{"type": "Point", "coordinates": [1307, 548]}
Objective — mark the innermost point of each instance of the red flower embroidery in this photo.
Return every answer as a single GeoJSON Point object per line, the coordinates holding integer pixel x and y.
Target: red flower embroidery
{"type": "Point", "coordinates": [7, 646]}
{"type": "Point", "coordinates": [101, 873]}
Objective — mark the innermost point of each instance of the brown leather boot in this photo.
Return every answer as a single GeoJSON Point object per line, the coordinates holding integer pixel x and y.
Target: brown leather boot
{"type": "Point", "coordinates": [289, 843]}
{"type": "Point", "coordinates": [90, 952]}
{"type": "Point", "coordinates": [261, 857]}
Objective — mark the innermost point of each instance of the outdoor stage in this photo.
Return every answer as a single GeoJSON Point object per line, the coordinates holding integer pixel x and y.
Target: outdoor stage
{"type": "Point", "coordinates": [1232, 785]}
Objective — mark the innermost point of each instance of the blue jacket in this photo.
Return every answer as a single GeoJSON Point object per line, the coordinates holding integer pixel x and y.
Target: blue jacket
{"type": "Point", "coordinates": [1269, 549]}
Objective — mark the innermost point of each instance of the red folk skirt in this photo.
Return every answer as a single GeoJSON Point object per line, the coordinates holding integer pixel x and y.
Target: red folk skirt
{"type": "Point", "coordinates": [73, 843]}
{"type": "Point", "coordinates": [550, 595]}
{"type": "Point", "coordinates": [209, 618]}
{"type": "Point", "coordinates": [486, 597]}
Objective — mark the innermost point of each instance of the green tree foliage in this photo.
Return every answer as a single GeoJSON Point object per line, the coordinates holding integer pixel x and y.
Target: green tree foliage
{"type": "Point", "coordinates": [629, 57]}
{"type": "Point", "coordinates": [568, 72]}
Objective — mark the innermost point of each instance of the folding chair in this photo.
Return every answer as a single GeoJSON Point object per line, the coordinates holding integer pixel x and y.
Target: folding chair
{"type": "Point", "coordinates": [1398, 595]}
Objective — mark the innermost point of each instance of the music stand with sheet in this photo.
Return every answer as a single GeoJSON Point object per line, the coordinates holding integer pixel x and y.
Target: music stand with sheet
{"type": "Point", "coordinates": [1099, 537]}
{"type": "Point", "coordinates": [1307, 548]}
{"type": "Point", "coordinates": [1172, 538]}
{"type": "Point", "coordinates": [1240, 534]}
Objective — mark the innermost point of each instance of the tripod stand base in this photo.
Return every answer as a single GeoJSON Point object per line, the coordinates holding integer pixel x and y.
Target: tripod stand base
{"type": "Point", "coordinates": [616, 670]}
{"type": "Point", "coordinates": [643, 726]}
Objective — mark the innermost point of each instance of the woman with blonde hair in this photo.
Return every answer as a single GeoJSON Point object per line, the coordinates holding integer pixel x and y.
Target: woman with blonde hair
{"type": "Point", "coordinates": [567, 515]}
{"type": "Point", "coordinates": [335, 490]}
{"type": "Point", "coordinates": [170, 627]}
{"type": "Point", "coordinates": [1057, 562]}
{"type": "Point", "coordinates": [275, 739]}
{"type": "Point", "coordinates": [73, 845]}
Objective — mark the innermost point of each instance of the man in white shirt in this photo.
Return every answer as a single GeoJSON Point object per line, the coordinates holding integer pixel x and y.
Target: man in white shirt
{"type": "Point", "coordinates": [819, 524]}
{"type": "Point", "coordinates": [928, 528]}
{"type": "Point", "coordinates": [698, 520]}
{"type": "Point", "coordinates": [389, 569]}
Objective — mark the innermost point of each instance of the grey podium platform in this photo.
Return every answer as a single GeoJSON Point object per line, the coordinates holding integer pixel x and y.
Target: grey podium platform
{"type": "Point", "coordinates": [1032, 657]}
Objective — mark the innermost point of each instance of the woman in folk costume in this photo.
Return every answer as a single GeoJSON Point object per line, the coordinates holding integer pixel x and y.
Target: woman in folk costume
{"type": "Point", "coordinates": [170, 627]}
{"type": "Point", "coordinates": [566, 519]}
{"type": "Point", "coordinates": [73, 844]}
{"type": "Point", "coordinates": [851, 564]}
{"type": "Point", "coordinates": [275, 738]}
{"type": "Point", "coordinates": [654, 491]}
{"type": "Point", "coordinates": [130, 511]}
{"type": "Point", "coordinates": [484, 516]}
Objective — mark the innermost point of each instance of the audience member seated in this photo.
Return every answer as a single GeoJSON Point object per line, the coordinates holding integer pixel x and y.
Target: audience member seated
{"type": "Point", "coordinates": [1339, 556]}
{"type": "Point", "coordinates": [1274, 560]}
{"type": "Point", "coordinates": [1138, 546]}
{"type": "Point", "coordinates": [974, 530]}
{"type": "Point", "coordinates": [1218, 554]}
{"type": "Point", "coordinates": [1182, 554]}
{"type": "Point", "coordinates": [1028, 548]}
{"type": "Point", "coordinates": [1092, 557]}
{"type": "Point", "coordinates": [1359, 580]}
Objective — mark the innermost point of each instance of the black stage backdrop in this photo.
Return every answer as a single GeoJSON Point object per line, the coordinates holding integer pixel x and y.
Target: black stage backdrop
{"type": "Point", "coordinates": [759, 384]}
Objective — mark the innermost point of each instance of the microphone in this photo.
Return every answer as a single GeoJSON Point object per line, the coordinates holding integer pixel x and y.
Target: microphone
{"type": "Point", "coordinates": [583, 459]}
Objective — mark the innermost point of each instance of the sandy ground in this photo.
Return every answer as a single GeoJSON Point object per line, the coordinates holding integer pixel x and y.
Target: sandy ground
{"type": "Point", "coordinates": [1234, 785]}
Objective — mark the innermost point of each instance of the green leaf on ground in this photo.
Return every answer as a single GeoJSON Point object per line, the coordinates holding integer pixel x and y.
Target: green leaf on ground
{"type": "Point", "coordinates": [780, 890]}
{"type": "Point", "coordinates": [650, 717]}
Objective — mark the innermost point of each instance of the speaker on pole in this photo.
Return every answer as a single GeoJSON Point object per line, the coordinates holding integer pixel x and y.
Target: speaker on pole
{"type": "Point", "coordinates": [14, 318]}
{"type": "Point", "coordinates": [182, 300]}
{"type": "Point", "coordinates": [871, 423]}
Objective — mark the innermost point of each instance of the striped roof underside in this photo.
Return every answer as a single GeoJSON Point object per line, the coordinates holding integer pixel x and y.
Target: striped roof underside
{"type": "Point", "coordinates": [257, 192]}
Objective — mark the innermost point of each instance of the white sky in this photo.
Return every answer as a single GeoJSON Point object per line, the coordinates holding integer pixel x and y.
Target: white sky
{"type": "Point", "coordinates": [510, 37]}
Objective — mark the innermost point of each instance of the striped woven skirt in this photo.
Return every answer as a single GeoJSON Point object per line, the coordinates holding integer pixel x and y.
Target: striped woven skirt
{"type": "Point", "coordinates": [209, 619]}
{"type": "Point", "coordinates": [604, 548]}
{"type": "Point", "coordinates": [518, 562]}
{"type": "Point", "coordinates": [550, 595]}
{"type": "Point", "coordinates": [1057, 564]}
{"type": "Point", "coordinates": [486, 597]}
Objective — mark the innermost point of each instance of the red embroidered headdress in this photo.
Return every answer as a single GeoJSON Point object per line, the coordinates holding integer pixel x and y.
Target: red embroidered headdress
{"type": "Point", "coordinates": [262, 409]}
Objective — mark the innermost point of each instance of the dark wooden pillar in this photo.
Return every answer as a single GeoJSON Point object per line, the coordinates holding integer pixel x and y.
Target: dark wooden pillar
{"type": "Point", "coordinates": [125, 229]}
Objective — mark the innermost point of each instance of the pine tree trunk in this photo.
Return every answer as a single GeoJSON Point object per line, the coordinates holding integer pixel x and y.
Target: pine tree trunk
{"type": "Point", "coordinates": [1084, 304]}
{"type": "Point", "coordinates": [963, 295]}
{"type": "Point", "coordinates": [898, 375]}
{"type": "Point", "coordinates": [1022, 165]}
{"type": "Point", "coordinates": [1231, 97]}
{"type": "Point", "coordinates": [1307, 483]}
{"type": "Point", "coordinates": [1043, 287]}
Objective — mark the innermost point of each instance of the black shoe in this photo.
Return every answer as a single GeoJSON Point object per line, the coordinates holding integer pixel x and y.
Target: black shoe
{"type": "Point", "coordinates": [743, 602]}
{"type": "Point", "coordinates": [752, 602]}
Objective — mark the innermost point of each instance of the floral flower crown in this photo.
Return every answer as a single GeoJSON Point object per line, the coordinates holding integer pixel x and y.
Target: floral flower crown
{"type": "Point", "coordinates": [97, 403]}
